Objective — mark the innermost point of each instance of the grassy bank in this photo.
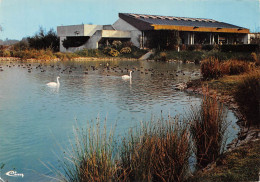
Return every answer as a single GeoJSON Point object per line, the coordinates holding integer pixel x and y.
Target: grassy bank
{"type": "Point", "coordinates": [236, 83]}
{"type": "Point", "coordinates": [241, 164]}
{"type": "Point", "coordinates": [116, 49]}
{"type": "Point", "coordinates": [200, 55]}
{"type": "Point", "coordinates": [50, 55]}
{"type": "Point", "coordinates": [238, 79]}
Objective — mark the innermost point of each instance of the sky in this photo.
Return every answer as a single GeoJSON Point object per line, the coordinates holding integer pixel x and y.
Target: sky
{"type": "Point", "coordinates": [22, 18]}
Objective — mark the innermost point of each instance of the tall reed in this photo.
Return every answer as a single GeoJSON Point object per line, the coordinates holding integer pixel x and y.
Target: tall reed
{"type": "Point", "coordinates": [156, 151]}
{"type": "Point", "coordinates": [212, 68]}
{"type": "Point", "coordinates": [208, 129]}
{"type": "Point", "coordinates": [91, 157]}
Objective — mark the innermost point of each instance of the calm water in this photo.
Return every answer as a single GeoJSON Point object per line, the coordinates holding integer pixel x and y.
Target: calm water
{"type": "Point", "coordinates": [35, 119]}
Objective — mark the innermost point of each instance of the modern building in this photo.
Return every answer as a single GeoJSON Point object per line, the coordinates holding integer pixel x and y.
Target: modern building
{"type": "Point", "coordinates": [149, 31]}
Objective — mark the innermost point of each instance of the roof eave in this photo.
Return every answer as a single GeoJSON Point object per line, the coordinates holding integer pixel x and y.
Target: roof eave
{"type": "Point", "coordinates": [200, 29]}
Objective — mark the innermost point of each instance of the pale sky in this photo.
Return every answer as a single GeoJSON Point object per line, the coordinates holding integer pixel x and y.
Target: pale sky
{"type": "Point", "coordinates": [21, 18]}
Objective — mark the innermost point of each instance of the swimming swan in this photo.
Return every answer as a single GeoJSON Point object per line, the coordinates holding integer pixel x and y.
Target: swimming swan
{"type": "Point", "coordinates": [54, 84]}
{"type": "Point", "coordinates": [127, 76]}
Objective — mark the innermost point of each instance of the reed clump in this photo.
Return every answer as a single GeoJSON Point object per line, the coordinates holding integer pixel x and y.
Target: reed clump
{"type": "Point", "coordinates": [208, 128]}
{"type": "Point", "coordinates": [235, 67]}
{"type": "Point", "coordinates": [91, 157]}
{"type": "Point", "coordinates": [212, 68]}
{"type": "Point", "coordinates": [158, 151]}
{"type": "Point", "coordinates": [247, 95]}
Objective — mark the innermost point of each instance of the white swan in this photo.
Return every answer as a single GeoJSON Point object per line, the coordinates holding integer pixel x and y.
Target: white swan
{"type": "Point", "coordinates": [127, 76]}
{"type": "Point", "coordinates": [54, 84]}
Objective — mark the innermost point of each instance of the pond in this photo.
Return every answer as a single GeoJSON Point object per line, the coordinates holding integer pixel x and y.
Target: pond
{"type": "Point", "coordinates": [36, 120]}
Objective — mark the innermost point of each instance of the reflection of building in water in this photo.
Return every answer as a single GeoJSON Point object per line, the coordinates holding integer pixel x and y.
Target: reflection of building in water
{"type": "Point", "coordinates": [149, 31]}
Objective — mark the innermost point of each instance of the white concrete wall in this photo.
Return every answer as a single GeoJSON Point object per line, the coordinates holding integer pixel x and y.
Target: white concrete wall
{"type": "Point", "coordinates": [78, 30]}
{"type": "Point", "coordinates": [120, 24]}
{"type": "Point", "coordinates": [72, 30]}
{"type": "Point", "coordinates": [92, 43]}
{"type": "Point", "coordinates": [62, 49]}
{"type": "Point", "coordinates": [89, 30]}
{"type": "Point", "coordinates": [116, 34]}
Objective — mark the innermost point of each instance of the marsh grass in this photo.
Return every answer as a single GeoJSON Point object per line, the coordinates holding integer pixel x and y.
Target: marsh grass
{"type": "Point", "coordinates": [156, 151]}
{"type": "Point", "coordinates": [208, 128]}
{"type": "Point", "coordinates": [247, 95]}
{"type": "Point", "coordinates": [212, 68]}
{"type": "Point", "coordinates": [90, 157]}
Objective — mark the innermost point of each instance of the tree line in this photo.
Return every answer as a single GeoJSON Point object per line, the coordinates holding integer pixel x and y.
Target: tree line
{"type": "Point", "coordinates": [41, 40]}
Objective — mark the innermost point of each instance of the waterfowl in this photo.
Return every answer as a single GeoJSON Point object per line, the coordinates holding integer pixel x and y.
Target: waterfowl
{"type": "Point", "coordinates": [127, 76]}
{"type": "Point", "coordinates": [54, 84]}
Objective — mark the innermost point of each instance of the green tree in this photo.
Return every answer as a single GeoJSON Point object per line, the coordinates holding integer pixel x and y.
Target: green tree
{"type": "Point", "coordinates": [43, 40]}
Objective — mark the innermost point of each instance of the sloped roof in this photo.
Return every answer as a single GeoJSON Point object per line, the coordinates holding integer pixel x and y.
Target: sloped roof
{"type": "Point", "coordinates": [152, 22]}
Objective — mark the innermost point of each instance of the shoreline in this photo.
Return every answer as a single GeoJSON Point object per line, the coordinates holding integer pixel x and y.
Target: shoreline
{"type": "Point", "coordinates": [73, 59]}
{"type": "Point", "coordinates": [246, 134]}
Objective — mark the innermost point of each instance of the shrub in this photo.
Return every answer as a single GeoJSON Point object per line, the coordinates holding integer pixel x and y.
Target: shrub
{"type": "Point", "coordinates": [43, 40]}
{"type": "Point", "coordinates": [128, 44]}
{"type": "Point", "coordinates": [191, 47]}
{"type": "Point", "coordinates": [22, 45]}
{"type": "Point", "coordinates": [163, 56]}
{"type": "Point", "coordinates": [106, 50]}
{"type": "Point", "coordinates": [125, 50]}
{"type": "Point", "coordinates": [6, 53]}
{"type": "Point", "coordinates": [210, 68]}
{"type": "Point", "coordinates": [61, 55]}
{"type": "Point", "coordinates": [198, 47]}
{"type": "Point", "coordinates": [89, 53]}
{"type": "Point", "coordinates": [247, 96]}
{"type": "Point", "coordinates": [208, 130]}
{"type": "Point", "coordinates": [235, 67]}
{"type": "Point", "coordinates": [183, 47]}
{"type": "Point", "coordinates": [116, 44]}
{"type": "Point", "coordinates": [113, 52]}
{"type": "Point", "coordinates": [207, 47]}
{"type": "Point", "coordinates": [239, 48]}
{"type": "Point", "coordinates": [256, 58]}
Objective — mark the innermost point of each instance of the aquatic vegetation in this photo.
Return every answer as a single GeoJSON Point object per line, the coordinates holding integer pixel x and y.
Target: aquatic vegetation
{"type": "Point", "coordinates": [212, 68]}
{"type": "Point", "coordinates": [208, 128]}
{"type": "Point", "coordinates": [156, 151]}
{"type": "Point", "coordinates": [91, 157]}
{"type": "Point", "coordinates": [235, 67]}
